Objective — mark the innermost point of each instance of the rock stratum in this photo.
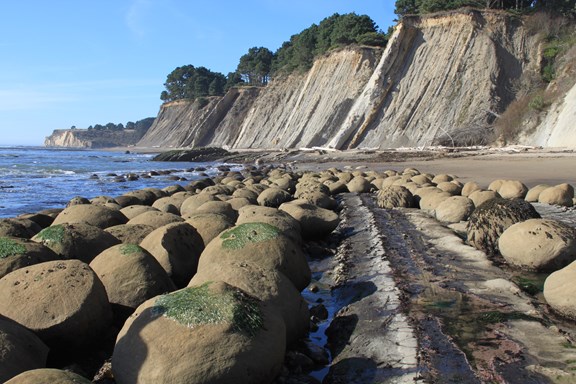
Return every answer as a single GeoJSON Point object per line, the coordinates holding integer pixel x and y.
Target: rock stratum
{"type": "Point", "coordinates": [440, 77]}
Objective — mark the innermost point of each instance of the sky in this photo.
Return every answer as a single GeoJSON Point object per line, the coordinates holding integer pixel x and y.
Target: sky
{"type": "Point", "coordinates": [67, 63]}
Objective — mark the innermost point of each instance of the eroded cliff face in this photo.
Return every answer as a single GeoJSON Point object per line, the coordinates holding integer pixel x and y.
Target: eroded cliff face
{"type": "Point", "coordinates": [438, 76]}
{"type": "Point", "coordinates": [82, 138]}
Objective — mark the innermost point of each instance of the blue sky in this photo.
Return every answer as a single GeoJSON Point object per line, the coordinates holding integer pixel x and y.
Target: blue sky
{"type": "Point", "coordinates": [75, 62]}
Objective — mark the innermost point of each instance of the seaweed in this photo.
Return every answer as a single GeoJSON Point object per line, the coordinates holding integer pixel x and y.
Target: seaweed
{"type": "Point", "coordinates": [10, 247]}
{"type": "Point", "coordinates": [53, 234]}
{"type": "Point", "coordinates": [239, 236]}
{"type": "Point", "coordinates": [199, 305]}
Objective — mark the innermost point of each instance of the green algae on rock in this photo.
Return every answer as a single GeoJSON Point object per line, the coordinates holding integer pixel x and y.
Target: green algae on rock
{"type": "Point", "coordinates": [199, 305]}
{"type": "Point", "coordinates": [239, 236]}
{"type": "Point", "coordinates": [9, 247]}
{"type": "Point", "coordinates": [53, 234]}
{"type": "Point", "coordinates": [128, 249]}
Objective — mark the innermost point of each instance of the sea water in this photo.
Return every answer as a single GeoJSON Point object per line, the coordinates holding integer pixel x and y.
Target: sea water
{"type": "Point", "coordinates": [36, 178]}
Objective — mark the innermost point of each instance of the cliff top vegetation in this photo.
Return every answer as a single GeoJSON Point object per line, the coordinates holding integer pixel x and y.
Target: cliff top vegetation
{"type": "Point", "coordinates": [260, 64]}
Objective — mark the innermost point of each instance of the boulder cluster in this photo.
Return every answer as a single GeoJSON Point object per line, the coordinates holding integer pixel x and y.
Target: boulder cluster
{"type": "Point", "coordinates": [500, 221]}
{"type": "Point", "coordinates": [201, 283]}
{"type": "Point", "coordinates": [211, 271]}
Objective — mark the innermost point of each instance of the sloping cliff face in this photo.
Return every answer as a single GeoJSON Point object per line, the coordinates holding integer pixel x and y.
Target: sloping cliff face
{"type": "Point", "coordinates": [83, 138]}
{"type": "Point", "coordinates": [438, 76]}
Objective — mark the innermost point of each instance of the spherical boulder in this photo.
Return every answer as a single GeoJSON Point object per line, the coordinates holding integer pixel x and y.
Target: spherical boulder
{"type": "Point", "coordinates": [144, 196]}
{"type": "Point", "coordinates": [450, 187]}
{"type": "Point", "coordinates": [394, 196]}
{"type": "Point", "coordinates": [43, 220]}
{"type": "Point", "coordinates": [273, 197]}
{"type": "Point", "coordinates": [534, 192]}
{"type": "Point", "coordinates": [177, 247]}
{"type": "Point", "coordinates": [62, 301]}
{"type": "Point", "coordinates": [512, 189]}
{"type": "Point", "coordinates": [288, 225]}
{"type": "Point", "coordinates": [16, 253]}
{"type": "Point", "coordinates": [132, 211]}
{"type": "Point", "coordinates": [131, 275]}
{"type": "Point", "coordinates": [95, 215]}
{"type": "Point", "coordinates": [358, 184]}
{"type": "Point", "coordinates": [130, 233]}
{"type": "Point", "coordinates": [209, 225]}
{"type": "Point", "coordinates": [225, 334]}
{"type": "Point", "coordinates": [19, 227]}
{"type": "Point", "coordinates": [469, 188]}
{"type": "Point", "coordinates": [20, 350]}
{"type": "Point", "coordinates": [219, 207]}
{"type": "Point", "coordinates": [538, 245]}
{"type": "Point", "coordinates": [492, 218]}
{"type": "Point", "coordinates": [268, 285]}
{"type": "Point", "coordinates": [557, 195]}
{"type": "Point", "coordinates": [262, 244]}
{"type": "Point", "coordinates": [560, 291]}
{"type": "Point", "coordinates": [48, 375]}
{"type": "Point", "coordinates": [480, 197]}
{"type": "Point", "coordinates": [430, 198]}
{"type": "Point", "coordinates": [315, 222]}
{"type": "Point", "coordinates": [76, 241]}
{"type": "Point", "coordinates": [454, 209]}
{"type": "Point", "coordinates": [155, 219]}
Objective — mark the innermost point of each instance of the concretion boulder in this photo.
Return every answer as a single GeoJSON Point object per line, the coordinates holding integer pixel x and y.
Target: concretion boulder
{"type": "Point", "coordinates": [557, 195]}
{"type": "Point", "coordinates": [76, 241]}
{"type": "Point", "coordinates": [95, 215]}
{"type": "Point", "coordinates": [512, 189]}
{"type": "Point", "coordinates": [145, 197]}
{"type": "Point", "coordinates": [238, 202]}
{"type": "Point", "coordinates": [219, 207]}
{"type": "Point", "coordinates": [209, 225]}
{"type": "Point", "coordinates": [469, 188]}
{"type": "Point", "coordinates": [177, 247]}
{"type": "Point", "coordinates": [390, 180]}
{"type": "Point", "coordinates": [310, 185]}
{"type": "Point", "coordinates": [263, 245]}
{"type": "Point", "coordinates": [16, 253]}
{"type": "Point", "coordinates": [246, 193]}
{"type": "Point", "coordinates": [155, 219]}
{"type": "Point", "coordinates": [358, 184]}
{"type": "Point", "coordinates": [130, 233]}
{"type": "Point", "coordinates": [560, 291]}
{"type": "Point", "coordinates": [212, 333]}
{"type": "Point", "coordinates": [320, 199]}
{"type": "Point", "coordinates": [495, 185]}
{"type": "Point", "coordinates": [168, 204]}
{"type": "Point", "coordinates": [337, 187]}
{"type": "Point", "coordinates": [192, 203]}
{"type": "Point", "coordinates": [288, 225]}
{"type": "Point", "coordinates": [19, 227]}
{"type": "Point", "coordinates": [102, 200]}
{"type": "Point", "coordinates": [431, 198]}
{"type": "Point", "coordinates": [62, 301]}
{"type": "Point", "coordinates": [77, 200]}
{"type": "Point", "coordinates": [268, 285]}
{"type": "Point", "coordinates": [41, 219]}
{"type": "Point", "coordinates": [394, 196]}
{"type": "Point", "coordinates": [315, 222]}
{"type": "Point", "coordinates": [20, 350]}
{"type": "Point", "coordinates": [538, 245]}
{"type": "Point", "coordinates": [273, 197]}
{"type": "Point", "coordinates": [132, 211]}
{"type": "Point", "coordinates": [450, 187]}
{"type": "Point", "coordinates": [492, 218]}
{"type": "Point", "coordinates": [48, 375]}
{"type": "Point", "coordinates": [454, 209]}
{"type": "Point", "coordinates": [126, 201]}
{"type": "Point", "coordinates": [441, 178]}
{"type": "Point", "coordinates": [534, 192]}
{"type": "Point", "coordinates": [480, 197]}
{"type": "Point", "coordinates": [131, 275]}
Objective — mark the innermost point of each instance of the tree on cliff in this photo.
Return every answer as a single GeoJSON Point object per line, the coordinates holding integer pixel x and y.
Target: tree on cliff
{"type": "Point", "coordinates": [189, 82]}
{"type": "Point", "coordinates": [335, 31]}
{"type": "Point", "coordinates": [254, 67]}
{"type": "Point", "coordinates": [408, 7]}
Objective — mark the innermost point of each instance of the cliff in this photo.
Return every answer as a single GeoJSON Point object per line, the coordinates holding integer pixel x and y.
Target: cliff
{"type": "Point", "coordinates": [83, 138]}
{"type": "Point", "coordinates": [441, 78]}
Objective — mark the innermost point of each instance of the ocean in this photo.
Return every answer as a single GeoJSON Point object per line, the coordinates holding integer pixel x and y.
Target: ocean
{"type": "Point", "coordinates": [36, 178]}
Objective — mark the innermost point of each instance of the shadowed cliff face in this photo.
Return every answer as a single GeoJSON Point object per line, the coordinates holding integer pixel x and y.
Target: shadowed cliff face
{"type": "Point", "coordinates": [438, 76]}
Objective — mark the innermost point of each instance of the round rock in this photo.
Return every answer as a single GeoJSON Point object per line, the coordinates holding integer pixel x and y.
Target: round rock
{"type": "Point", "coordinates": [538, 245]}
{"type": "Point", "coordinates": [315, 222]}
{"type": "Point", "coordinates": [76, 241]}
{"type": "Point", "coordinates": [62, 301]}
{"type": "Point", "coordinates": [48, 375]}
{"type": "Point", "coordinates": [394, 196]}
{"type": "Point", "coordinates": [224, 333]}
{"type": "Point", "coordinates": [560, 291]}
{"type": "Point", "coordinates": [492, 218]}
{"type": "Point", "coordinates": [454, 209]}
{"type": "Point", "coordinates": [95, 215]}
{"type": "Point", "coordinates": [16, 253]}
